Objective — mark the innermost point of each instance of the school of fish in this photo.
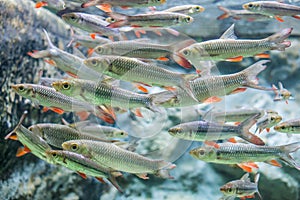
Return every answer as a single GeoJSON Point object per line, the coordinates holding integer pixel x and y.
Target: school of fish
{"type": "Point", "coordinates": [117, 50]}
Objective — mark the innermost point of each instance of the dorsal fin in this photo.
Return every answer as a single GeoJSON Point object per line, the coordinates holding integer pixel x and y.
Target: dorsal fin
{"type": "Point", "coordinates": [245, 177]}
{"type": "Point", "coordinates": [229, 33]}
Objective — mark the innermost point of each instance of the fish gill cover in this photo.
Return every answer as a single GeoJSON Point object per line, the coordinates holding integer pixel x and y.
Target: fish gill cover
{"type": "Point", "coordinates": [138, 99]}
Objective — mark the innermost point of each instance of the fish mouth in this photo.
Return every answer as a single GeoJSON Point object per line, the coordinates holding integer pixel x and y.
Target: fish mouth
{"type": "Point", "coordinates": [14, 87]}
{"type": "Point", "coordinates": [174, 131]}
{"type": "Point", "coordinates": [245, 6]}
{"type": "Point", "coordinates": [55, 85]}
{"type": "Point", "coordinates": [163, 1]}
{"type": "Point", "coordinates": [276, 128]}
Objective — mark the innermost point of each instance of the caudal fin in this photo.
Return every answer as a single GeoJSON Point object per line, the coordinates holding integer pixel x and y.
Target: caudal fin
{"type": "Point", "coordinates": [286, 157]}
{"type": "Point", "coordinates": [17, 127]}
{"type": "Point", "coordinates": [162, 97]}
{"type": "Point", "coordinates": [251, 73]}
{"type": "Point", "coordinates": [186, 86]}
{"type": "Point", "coordinates": [164, 171]}
{"type": "Point", "coordinates": [248, 136]}
{"type": "Point", "coordinates": [226, 13]}
{"type": "Point", "coordinates": [278, 39]}
{"type": "Point", "coordinates": [176, 47]}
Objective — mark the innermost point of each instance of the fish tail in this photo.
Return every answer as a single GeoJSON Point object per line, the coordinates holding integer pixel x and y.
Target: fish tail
{"type": "Point", "coordinates": [176, 47]}
{"type": "Point", "coordinates": [164, 172]}
{"type": "Point", "coordinates": [278, 39]}
{"type": "Point", "coordinates": [88, 4]}
{"type": "Point", "coordinates": [256, 179]}
{"type": "Point", "coordinates": [50, 44]}
{"type": "Point", "coordinates": [286, 157]}
{"type": "Point", "coordinates": [226, 13]}
{"type": "Point", "coordinates": [120, 20]}
{"type": "Point", "coordinates": [105, 113]}
{"type": "Point", "coordinates": [18, 125]}
{"type": "Point", "coordinates": [186, 86]}
{"type": "Point", "coordinates": [161, 97]}
{"type": "Point", "coordinates": [251, 72]}
{"type": "Point", "coordinates": [246, 134]}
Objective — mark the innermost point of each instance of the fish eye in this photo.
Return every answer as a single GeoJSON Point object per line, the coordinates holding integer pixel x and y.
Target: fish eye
{"type": "Point", "coordinates": [283, 127]}
{"type": "Point", "coordinates": [74, 147]}
{"type": "Point", "coordinates": [250, 5]}
{"type": "Point", "coordinates": [201, 152]}
{"type": "Point", "coordinates": [54, 154]}
{"type": "Point", "coordinates": [186, 52]}
{"type": "Point", "coordinates": [188, 19]}
{"type": "Point", "coordinates": [99, 49]}
{"type": "Point", "coordinates": [21, 88]}
{"type": "Point", "coordinates": [197, 8]}
{"type": "Point", "coordinates": [66, 85]}
{"type": "Point", "coordinates": [230, 190]}
{"type": "Point", "coordinates": [94, 62]}
{"type": "Point", "coordinates": [122, 133]}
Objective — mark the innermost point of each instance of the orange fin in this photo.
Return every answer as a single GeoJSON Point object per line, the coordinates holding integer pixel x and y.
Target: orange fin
{"type": "Point", "coordinates": [50, 62]}
{"type": "Point", "coordinates": [142, 176]}
{"type": "Point", "coordinates": [82, 175]}
{"type": "Point", "coordinates": [77, 45]}
{"type": "Point", "coordinates": [182, 62]}
{"type": "Point", "coordinates": [252, 164]}
{"type": "Point", "coordinates": [90, 52]}
{"type": "Point", "coordinates": [213, 99]}
{"type": "Point", "coordinates": [13, 137]}
{"type": "Point", "coordinates": [137, 34]}
{"type": "Point", "coordinates": [163, 59]}
{"type": "Point", "coordinates": [238, 90]}
{"type": "Point", "coordinates": [157, 32]}
{"type": "Point", "coordinates": [45, 109]}
{"type": "Point", "coordinates": [111, 38]}
{"type": "Point", "coordinates": [57, 110]}
{"type": "Point", "coordinates": [138, 113]}
{"type": "Point", "coordinates": [198, 71]}
{"type": "Point", "coordinates": [245, 167]}
{"type": "Point", "coordinates": [170, 88]}
{"type": "Point", "coordinates": [83, 115]}
{"type": "Point", "coordinates": [141, 88]}
{"type": "Point", "coordinates": [72, 74]}
{"type": "Point", "coordinates": [268, 130]}
{"type": "Point", "coordinates": [279, 19]}
{"type": "Point", "coordinates": [235, 59]}
{"type": "Point", "coordinates": [249, 197]}
{"type": "Point", "coordinates": [223, 16]}
{"type": "Point", "coordinates": [212, 143]}
{"type": "Point", "coordinates": [232, 140]}
{"type": "Point", "coordinates": [262, 55]}
{"type": "Point", "coordinates": [93, 35]}
{"type": "Point", "coordinates": [237, 123]}
{"type": "Point", "coordinates": [125, 7]}
{"type": "Point", "coordinates": [274, 163]}
{"type": "Point", "coordinates": [105, 7]}
{"type": "Point", "coordinates": [41, 4]}
{"type": "Point", "coordinates": [22, 151]}
{"type": "Point", "coordinates": [296, 16]}
{"type": "Point", "coordinates": [100, 179]}
{"type": "Point", "coordinates": [109, 110]}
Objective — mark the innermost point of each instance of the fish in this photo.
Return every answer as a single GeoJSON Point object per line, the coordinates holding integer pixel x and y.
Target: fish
{"type": "Point", "coordinates": [147, 50]}
{"type": "Point", "coordinates": [105, 94]}
{"type": "Point", "coordinates": [269, 120]}
{"type": "Point", "coordinates": [65, 61]}
{"type": "Point", "coordinates": [83, 166]}
{"type": "Point", "coordinates": [55, 101]}
{"type": "Point", "coordinates": [239, 153]}
{"type": "Point", "coordinates": [56, 134]}
{"type": "Point", "coordinates": [273, 8]}
{"type": "Point", "coordinates": [134, 70]}
{"type": "Point", "coordinates": [92, 24]}
{"type": "Point", "coordinates": [207, 131]}
{"type": "Point", "coordinates": [155, 19]}
{"type": "Point", "coordinates": [242, 188]}
{"type": "Point", "coordinates": [32, 143]}
{"type": "Point", "coordinates": [56, 4]}
{"type": "Point", "coordinates": [282, 93]}
{"type": "Point", "coordinates": [237, 115]}
{"type": "Point", "coordinates": [106, 5]}
{"type": "Point", "coordinates": [186, 9]}
{"type": "Point", "coordinates": [106, 132]}
{"type": "Point", "coordinates": [229, 48]}
{"type": "Point", "coordinates": [242, 14]}
{"type": "Point", "coordinates": [209, 89]}
{"type": "Point", "coordinates": [110, 155]}
{"type": "Point", "coordinates": [290, 126]}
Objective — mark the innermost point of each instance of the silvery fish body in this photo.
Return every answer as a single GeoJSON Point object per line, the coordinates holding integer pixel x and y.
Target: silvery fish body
{"type": "Point", "coordinates": [105, 94]}
{"type": "Point", "coordinates": [112, 156]}
{"type": "Point", "coordinates": [230, 153]}
{"type": "Point", "coordinates": [267, 121]}
{"type": "Point", "coordinates": [186, 9]}
{"type": "Point", "coordinates": [48, 97]}
{"type": "Point", "coordinates": [272, 8]}
{"type": "Point", "coordinates": [123, 3]}
{"type": "Point", "coordinates": [242, 14]}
